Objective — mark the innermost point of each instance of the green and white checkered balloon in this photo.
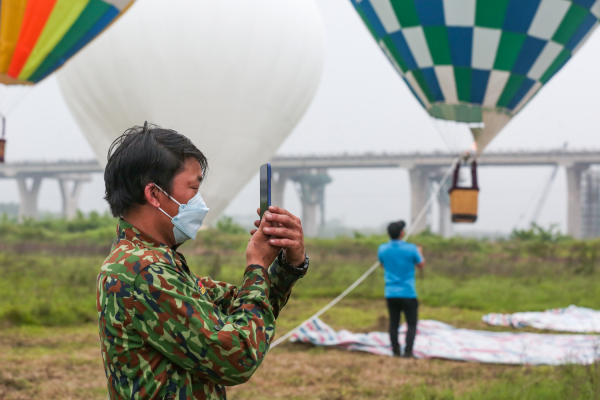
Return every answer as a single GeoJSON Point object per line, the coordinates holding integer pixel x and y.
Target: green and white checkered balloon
{"type": "Point", "coordinates": [478, 61]}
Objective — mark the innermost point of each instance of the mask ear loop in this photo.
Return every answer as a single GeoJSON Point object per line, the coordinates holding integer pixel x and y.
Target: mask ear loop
{"type": "Point", "coordinates": [163, 211]}
{"type": "Point", "coordinates": [169, 196]}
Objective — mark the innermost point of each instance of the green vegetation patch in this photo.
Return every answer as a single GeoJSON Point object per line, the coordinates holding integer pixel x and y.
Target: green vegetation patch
{"type": "Point", "coordinates": [536, 269]}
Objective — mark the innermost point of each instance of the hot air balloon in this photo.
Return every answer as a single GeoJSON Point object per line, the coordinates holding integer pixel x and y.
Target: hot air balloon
{"type": "Point", "coordinates": [478, 61]}
{"type": "Point", "coordinates": [234, 76]}
{"type": "Point", "coordinates": [38, 36]}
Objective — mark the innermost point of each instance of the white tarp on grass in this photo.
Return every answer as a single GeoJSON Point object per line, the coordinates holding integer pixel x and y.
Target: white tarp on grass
{"type": "Point", "coordinates": [439, 340]}
{"type": "Point", "coordinates": [570, 319]}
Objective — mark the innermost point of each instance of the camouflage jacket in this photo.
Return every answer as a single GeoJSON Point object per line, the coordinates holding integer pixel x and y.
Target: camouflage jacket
{"type": "Point", "coordinates": [167, 334]}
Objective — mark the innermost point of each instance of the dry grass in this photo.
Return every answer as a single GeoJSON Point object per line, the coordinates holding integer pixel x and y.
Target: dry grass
{"type": "Point", "coordinates": [51, 363]}
{"type": "Point", "coordinates": [54, 364]}
{"type": "Point", "coordinates": [302, 372]}
{"type": "Point", "coordinates": [65, 363]}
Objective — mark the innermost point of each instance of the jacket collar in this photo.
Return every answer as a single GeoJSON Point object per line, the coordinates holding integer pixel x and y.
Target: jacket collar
{"type": "Point", "coordinates": [126, 231]}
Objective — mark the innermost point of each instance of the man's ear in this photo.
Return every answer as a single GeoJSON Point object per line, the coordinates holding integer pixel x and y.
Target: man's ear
{"type": "Point", "coordinates": [151, 194]}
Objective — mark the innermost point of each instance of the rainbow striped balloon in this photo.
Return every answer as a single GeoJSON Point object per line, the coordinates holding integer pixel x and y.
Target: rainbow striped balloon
{"type": "Point", "coordinates": [39, 36]}
{"type": "Point", "coordinates": [478, 61]}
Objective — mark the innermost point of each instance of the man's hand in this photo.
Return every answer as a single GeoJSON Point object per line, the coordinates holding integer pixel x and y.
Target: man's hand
{"type": "Point", "coordinates": [260, 251]}
{"type": "Point", "coordinates": [286, 232]}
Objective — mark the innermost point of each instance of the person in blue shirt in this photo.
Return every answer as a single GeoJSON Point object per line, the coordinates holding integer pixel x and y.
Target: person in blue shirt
{"type": "Point", "coordinates": [399, 259]}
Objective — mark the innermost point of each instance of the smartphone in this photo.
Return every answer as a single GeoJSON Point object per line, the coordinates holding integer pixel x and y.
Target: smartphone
{"type": "Point", "coordinates": [265, 188]}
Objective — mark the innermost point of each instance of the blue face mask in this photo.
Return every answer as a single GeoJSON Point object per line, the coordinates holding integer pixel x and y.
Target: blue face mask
{"type": "Point", "coordinates": [189, 218]}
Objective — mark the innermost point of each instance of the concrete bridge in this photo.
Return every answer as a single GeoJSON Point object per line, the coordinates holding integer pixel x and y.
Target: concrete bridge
{"type": "Point", "coordinates": [423, 169]}
{"type": "Point", "coordinates": [69, 174]}
{"type": "Point", "coordinates": [310, 173]}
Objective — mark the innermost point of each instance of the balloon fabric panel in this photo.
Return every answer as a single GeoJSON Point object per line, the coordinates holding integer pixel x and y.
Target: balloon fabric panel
{"type": "Point", "coordinates": [39, 36]}
{"type": "Point", "coordinates": [92, 13]}
{"type": "Point", "coordinates": [36, 15]}
{"type": "Point", "coordinates": [11, 17]}
{"type": "Point", "coordinates": [462, 58]}
{"type": "Point", "coordinates": [64, 15]}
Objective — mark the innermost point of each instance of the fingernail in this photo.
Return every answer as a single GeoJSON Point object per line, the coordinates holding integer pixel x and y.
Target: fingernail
{"type": "Point", "coordinates": [272, 241]}
{"type": "Point", "coordinates": [267, 229]}
{"type": "Point", "coordinates": [269, 216]}
{"type": "Point", "coordinates": [272, 208]}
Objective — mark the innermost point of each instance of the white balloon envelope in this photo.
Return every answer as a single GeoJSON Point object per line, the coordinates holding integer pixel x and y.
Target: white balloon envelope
{"type": "Point", "coordinates": [234, 76]}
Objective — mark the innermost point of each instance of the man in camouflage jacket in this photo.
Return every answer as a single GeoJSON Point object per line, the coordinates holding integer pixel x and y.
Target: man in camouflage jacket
{"type": "Point", "coordinates": [166, 333]}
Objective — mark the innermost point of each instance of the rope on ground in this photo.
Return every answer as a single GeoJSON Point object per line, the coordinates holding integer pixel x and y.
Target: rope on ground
{"type": "Point", "coordinates": [374, 266]}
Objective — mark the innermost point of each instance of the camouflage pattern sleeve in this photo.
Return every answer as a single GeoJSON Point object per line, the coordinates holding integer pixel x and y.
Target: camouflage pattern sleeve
{"type": "Point", "coordinates": [181, 322]}
{"type": "Point", "coordinates": [282, 282]}
{"type": "Point", "coordinates": [222, 294]}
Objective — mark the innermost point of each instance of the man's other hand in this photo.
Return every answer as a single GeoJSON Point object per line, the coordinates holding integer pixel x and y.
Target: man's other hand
{"type": "Point", "coordinates": [286, 232]}
{"type": "Point", "coordinates": [260, 251]}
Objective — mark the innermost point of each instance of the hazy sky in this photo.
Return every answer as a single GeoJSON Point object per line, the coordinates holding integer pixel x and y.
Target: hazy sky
{"type": "Point", "coordinates": [362, 105]}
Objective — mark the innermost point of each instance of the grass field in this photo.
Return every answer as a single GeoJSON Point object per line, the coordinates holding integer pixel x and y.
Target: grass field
{"type": "Point", "coordinates": [64, 363]}
{"type": "Point", "coordinates": [49, 347]}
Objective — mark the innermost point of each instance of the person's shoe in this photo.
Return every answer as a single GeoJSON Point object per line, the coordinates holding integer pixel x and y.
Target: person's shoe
{"type": "Point", "coordinates": [408, 354]}
{"type": "Point", "coordinates": [396, 352]}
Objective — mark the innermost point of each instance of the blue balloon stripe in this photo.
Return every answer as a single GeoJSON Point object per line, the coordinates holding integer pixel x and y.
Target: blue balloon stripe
{"type": "Point", "coordinates": [587, 4]}
{"type": "Point", "coordinates": [430, 12]}
{"type": "Point", "coordinates": [479, 83]}
{"type": "Point", "coordinates": [587, 24]}
{"type": "Point", "coordinates": [371, 15]}
{"type": "Point", "coordinates": [529, 53]}
{"type": "Point", "coordinates": [520, 14]}
{"type": "Point", "coordinates": [521, 93]}
{"type": "Point", "coordinates": [433, 84]}
{"type": "Point", "coordinates": [461, 45]}
{"type": "Point", "coordinates": [403, 49]}
{"type": "Point", "coordinates": [414, 93]}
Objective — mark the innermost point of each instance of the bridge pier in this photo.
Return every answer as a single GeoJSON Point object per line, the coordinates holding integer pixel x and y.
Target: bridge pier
{"type": "Point", "coordinates": [311, 189]}
{"type": "Point", "coordinates": [574, 200]}
{"type": "Point", "coordinates": [70, 196]}
{"type": "Point", "coordinates": [420, 183]}
{"type": "Point", "coordinates": [29, 196]}
{"type": "Point", "coordinates": [443, 199]}
{"type": "Point", "coordinates": [278, 188]}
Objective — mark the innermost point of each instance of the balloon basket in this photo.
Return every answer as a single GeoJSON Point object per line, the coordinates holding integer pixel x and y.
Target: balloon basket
{"type": "Point", "coordinates": [2, 147]}
{"type": "Point", "coordinates": [464, 200]}
{"type": "Point", "coordinates": [463, 204]}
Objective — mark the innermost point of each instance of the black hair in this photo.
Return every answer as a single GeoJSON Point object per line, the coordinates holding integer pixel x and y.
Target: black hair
{"type": "Point", "coordinates": [143, 155]}
{"type": "Point", "coordinates": [395, 229]}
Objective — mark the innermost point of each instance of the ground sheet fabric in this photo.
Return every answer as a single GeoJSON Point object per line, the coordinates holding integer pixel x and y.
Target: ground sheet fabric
{"type": "Point", "coordinates": [439, 340]}
{"type": "Point", "coordinates": [570, 319]}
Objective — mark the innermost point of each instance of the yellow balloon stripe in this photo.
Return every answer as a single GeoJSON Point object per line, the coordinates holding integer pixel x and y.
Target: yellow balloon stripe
{"type": "Point", "coordinates": [11, 17]}
{"type": "Point", "coordinates": [64, 14]}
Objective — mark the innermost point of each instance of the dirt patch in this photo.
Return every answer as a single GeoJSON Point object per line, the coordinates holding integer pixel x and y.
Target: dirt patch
{"type": "Point", "coordinates": [74, 375]}
{"type": "Point", "coordinates": [65, 363]}
{"type": "Point", "coordinates": [70, 367]}
{"type": "Point", "coordinates": [302, 372]}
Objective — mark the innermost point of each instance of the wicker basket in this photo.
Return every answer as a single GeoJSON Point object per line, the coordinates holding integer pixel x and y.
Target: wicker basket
{"type": "Point", "coordinates": [463, 204]}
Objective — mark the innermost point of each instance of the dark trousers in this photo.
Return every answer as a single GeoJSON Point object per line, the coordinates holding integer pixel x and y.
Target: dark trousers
{"type": "Point", "coordinates": [410, 308]}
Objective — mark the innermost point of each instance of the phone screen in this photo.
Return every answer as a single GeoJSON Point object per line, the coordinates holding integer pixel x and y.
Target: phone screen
{"type": "Point", "coordinates": [265, 188]}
